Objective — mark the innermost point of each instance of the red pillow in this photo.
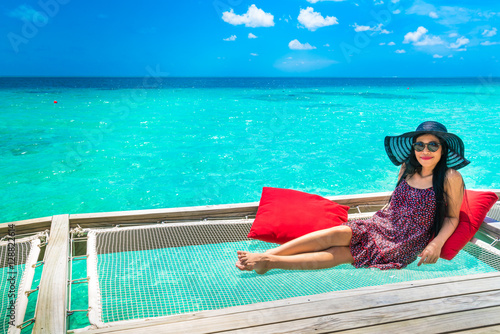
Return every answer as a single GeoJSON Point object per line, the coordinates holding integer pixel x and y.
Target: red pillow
{"type": "Point", "coordinates": [475, 206]}
{"type": "Point", "coordinates": [286, 214]}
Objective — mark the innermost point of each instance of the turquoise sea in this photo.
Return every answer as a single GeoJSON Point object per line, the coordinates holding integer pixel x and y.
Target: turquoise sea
{"type": "Point", "coordinates": [112, 144]}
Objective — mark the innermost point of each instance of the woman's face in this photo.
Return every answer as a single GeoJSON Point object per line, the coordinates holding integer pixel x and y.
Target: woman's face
{"type": "Point", "coordinates": [427, 158]}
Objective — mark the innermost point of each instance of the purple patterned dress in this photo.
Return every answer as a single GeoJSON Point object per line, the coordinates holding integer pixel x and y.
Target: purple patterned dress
{"type": "Point", "coordinates": [394, 236]}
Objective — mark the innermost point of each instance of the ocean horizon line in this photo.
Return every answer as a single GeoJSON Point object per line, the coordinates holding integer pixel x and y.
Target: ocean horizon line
{"type": "Point", "coordinates": [247, 77]}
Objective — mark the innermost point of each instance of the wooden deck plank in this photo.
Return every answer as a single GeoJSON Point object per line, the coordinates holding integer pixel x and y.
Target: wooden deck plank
{"type": "Point", "coordinates": [483, 330]}
{"type": "Point", "coordinates": [443, 323]}
{"type": "Point", "coordinates": [285, 315]}
{"type": "Point", "coordinates": [50, 314]}
{"type": "Point", "coordinates": [388, 319]}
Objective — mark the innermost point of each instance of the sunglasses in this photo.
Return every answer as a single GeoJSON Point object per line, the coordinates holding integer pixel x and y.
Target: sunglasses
{"type": "Point", "coordinates": [432, 146]}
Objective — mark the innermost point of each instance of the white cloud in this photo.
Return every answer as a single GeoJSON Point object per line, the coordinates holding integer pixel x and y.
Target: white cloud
{"type": "Point", "coordinates": [446, 15]}
{"type": "Point", "coordinates": [250, 35]}
{"type": "Point", "coordinates": [360, 28]}
{"type": "Point", "coordinates": [415, 36]}
{"type": "Point", "coordinates": [421, 8]}
{"type": "Point", "coordinates": [434, 15]}
{"type": "Point", "coordinates": [391, 43]}
{"type": "Point", "coordinates": [427, 41]}
{"type": "Point", "coordinates": [27, 13]}
{"type": "Point", "coordinates": [397, 11]}
{"type": "Point", "coordinates": [463, 49]}
{"type": "Point", "coordinates": [489, 33]}
{"type": "Point", "coordinates": [437, 56]}
{"type": "Point", "coordinates": [400, 51]}
{"type": "Point", "coordinates": [327, 45]}
{"type": "Point", "coordinates": [254, 54]}
{"type": "Point", "coordinates": [378, 3]}
{"type": "Point", "coordinates": [450, 56]}
{"type": "Point", "coordinates": [453, 34]}
{"type": "Point", "coordinates": [454, 15]}
{"type": "Point", "coordinates": [488, 43]}
{"type": "Point", "coordinates": [419, 38]}
{"type": "Point", "coordinates": [377, 28]}
{"type": "Point", "coordinates": [296, 45]}
{"type": "Point", "coordinates": [230, 39]}
{"type": "Point", "coordinates": [314, 1]}
{"type": "Point", "coordinates": [394, 1]}
{"type": "Point", "coordinates": [313, 20]}
{"type": "Point", "coordinates": [488, 14]}
{"type": "Point", "coordinates": [254, 17]}
{"type": "Point", "coordinates": [304, 63]}
{"type": "Point", "coordinates": [461, 41]}
{"type": "Point", "coordinates": [381, 43]}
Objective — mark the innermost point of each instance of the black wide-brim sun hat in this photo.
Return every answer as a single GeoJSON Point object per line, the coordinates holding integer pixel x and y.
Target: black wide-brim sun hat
{"type": "Point", "coordinates": [398, 148]}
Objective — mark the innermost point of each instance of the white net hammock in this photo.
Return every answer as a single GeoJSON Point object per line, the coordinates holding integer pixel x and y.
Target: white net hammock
{"type": "Point", "coordinates": [17, 267]}
{"type": "Point", "coordinates": [142, 272]}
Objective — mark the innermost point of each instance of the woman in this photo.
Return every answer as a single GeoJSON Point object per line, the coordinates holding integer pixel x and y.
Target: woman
{"type": "Point", "coordinates": [425, 203]}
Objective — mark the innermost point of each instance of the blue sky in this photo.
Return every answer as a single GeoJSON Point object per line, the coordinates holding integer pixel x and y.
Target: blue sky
{"type": "Point", "coordinates": [351, 38]}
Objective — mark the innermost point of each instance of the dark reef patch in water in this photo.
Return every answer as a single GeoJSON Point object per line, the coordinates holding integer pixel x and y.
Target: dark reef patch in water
{"type": "Point", "coordinates": [308, 96]}
{"type": "Point", "coordinates": [24, 144]}
{"type": "Point", "coordinates": [41, 91]}
{"type": "Point", "coordinates": [324, 105]}
{"type": "Point", "coordinates": [281, 97]}
{"type": "Point", "coordinates": [454, 93]}
{"type": "Point", "coordinates": [369, 95]}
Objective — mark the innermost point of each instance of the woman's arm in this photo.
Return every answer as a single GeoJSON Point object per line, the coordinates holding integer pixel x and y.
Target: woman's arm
{"type": "Point", "coordinates": [454, 189]}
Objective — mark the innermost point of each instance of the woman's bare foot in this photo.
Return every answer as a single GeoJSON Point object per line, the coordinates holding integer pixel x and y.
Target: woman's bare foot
{"type": "Point", "coordinates": [253, 261]}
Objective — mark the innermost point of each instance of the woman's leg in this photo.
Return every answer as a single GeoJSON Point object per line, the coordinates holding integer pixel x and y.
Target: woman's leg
{"type": "Point", "coordinates": [321, 249]}
{"type": "Point", "coordinates": [315, 241]}
{"type": "Point", "coordinates": [261, 263]}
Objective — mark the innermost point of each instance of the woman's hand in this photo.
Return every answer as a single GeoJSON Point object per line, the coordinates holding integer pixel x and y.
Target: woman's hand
{"type": "Point", "coordinates": [454, 188]}
{"type": "Point", "coordinates": [431, 253]}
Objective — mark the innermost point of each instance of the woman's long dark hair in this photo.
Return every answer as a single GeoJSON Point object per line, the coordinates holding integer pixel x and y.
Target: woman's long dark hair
{"type": "Point", "coordinates": [438, 177]}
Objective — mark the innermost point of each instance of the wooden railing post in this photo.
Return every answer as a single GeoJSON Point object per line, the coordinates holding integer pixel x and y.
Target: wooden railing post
{"type": "Point", "coordinates": [50, 314]}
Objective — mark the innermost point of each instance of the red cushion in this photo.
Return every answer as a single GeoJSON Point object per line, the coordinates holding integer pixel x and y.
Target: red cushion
{"type": "Point", "coordinates": [286, 214]}
{"type": "Point", "coordinates": [475, 206]}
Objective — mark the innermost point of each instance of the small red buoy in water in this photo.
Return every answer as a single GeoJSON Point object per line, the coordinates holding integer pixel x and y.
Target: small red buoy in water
{"type": "Point", "coordinates": [55, 101]}
{"type": "Point", "coordinates": [408, 88]}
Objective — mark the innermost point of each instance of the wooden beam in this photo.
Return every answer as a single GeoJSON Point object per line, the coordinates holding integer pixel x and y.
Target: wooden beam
{"type": "Point", "coordinates": [491, 227]}
{"type": "Point", "coordinates": [50, 313]}
{"type": "Point", "coordinates": [27, 226]}
{"type": "Point", "coordinates": [206, 211]}
{"type": "Point", "coordinates": [154, 215]}
{"type": "Point", "coordinates": [184, 213]}
{"type": "Point", "coordinates": [222, 210]}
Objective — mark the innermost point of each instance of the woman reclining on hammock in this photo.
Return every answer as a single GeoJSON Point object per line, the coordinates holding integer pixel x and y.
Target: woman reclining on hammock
{"type": "Point", "coordinates": [425, 203]}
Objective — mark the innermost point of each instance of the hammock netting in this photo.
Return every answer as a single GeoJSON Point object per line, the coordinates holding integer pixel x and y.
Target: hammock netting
{"type": "Point", "coordinates": [165, 269]}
